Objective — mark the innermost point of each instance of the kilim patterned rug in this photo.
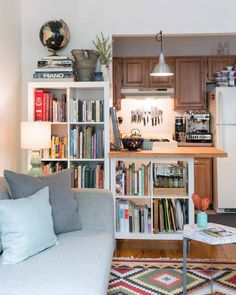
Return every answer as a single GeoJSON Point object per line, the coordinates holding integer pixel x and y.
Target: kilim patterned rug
{"type": "Point", "coordinates": [132, 276]}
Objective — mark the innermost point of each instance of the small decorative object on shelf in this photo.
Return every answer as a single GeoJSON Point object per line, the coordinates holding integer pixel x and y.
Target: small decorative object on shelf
{"type": "Point", "coordinates": [201, 203]}
{"type": "Point", "coordinates": [103, 47]}
{"type": "Point", "coordinates": [97, 76]}
{"type": "Point", "coordinates": [55, 35]}
{"type": "Point", "coordinates": [85, 63]}
{"type": "Point", "coordinates": [134, 142]}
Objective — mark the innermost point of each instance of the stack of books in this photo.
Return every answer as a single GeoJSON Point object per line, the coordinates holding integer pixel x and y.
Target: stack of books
{"type": "Point", "coordinates": [54, 67]}
{"type": "Point", "coordinates": [84, 176]}
{"type": "Point", "coordinates": [132, 217]}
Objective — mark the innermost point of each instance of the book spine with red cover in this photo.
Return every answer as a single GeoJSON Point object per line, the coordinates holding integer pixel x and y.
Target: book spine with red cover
{"type": "Point", "coordinates": [38, 105]}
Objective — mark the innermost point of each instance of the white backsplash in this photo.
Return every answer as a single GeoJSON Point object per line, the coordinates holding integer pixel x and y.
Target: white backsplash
{"type": "Point", "coordinates": [164, 104]}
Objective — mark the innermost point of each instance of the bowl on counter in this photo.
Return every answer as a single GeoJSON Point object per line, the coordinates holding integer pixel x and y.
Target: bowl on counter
{"type": "Point", "coordinates": [134, 142]}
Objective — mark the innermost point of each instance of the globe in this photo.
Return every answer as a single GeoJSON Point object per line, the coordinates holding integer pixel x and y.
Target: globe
{"type": "Point", "coordinates": [55, 35]}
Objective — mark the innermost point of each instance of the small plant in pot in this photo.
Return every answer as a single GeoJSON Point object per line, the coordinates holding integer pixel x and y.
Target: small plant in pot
{"type": "Point", "coordinates": [201, 203]}
{"type": "Point", "coordinates": [104, 49]}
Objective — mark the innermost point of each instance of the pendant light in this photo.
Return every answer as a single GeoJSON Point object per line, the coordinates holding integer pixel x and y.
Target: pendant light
{"type": "Point", "coordinates": [162, 68]}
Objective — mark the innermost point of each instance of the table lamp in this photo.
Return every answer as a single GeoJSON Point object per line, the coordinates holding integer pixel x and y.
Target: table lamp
{"type": "Point", "coordinates": [35, 136]}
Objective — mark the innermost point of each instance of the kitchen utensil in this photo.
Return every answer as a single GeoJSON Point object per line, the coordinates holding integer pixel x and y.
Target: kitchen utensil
{"type": "Point", "coordinates": [155, 114]}
{"type": "Point", "coordinates": [161, 115]}
{"type": "Point", "coordinates": [152, 116]}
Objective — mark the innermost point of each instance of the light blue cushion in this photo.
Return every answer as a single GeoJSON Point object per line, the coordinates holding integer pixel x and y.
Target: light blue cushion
{"type": "Point", "coordinates": [26, 226]}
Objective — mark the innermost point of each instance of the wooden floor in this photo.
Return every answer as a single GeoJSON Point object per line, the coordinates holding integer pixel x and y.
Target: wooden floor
{"type": "Point", "coordinates": [172, 249]}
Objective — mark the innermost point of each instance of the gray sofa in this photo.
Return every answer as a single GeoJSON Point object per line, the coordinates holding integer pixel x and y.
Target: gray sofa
{"type": "Point", "coordinates": [79, 265]}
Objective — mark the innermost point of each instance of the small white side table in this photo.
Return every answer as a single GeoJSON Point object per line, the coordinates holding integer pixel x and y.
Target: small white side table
{"type": "Point", "coordinates": [223, 235]}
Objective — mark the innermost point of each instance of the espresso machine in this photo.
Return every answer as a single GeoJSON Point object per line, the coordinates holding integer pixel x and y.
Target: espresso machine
{"type": "Point", "coordinates": [197, 124]}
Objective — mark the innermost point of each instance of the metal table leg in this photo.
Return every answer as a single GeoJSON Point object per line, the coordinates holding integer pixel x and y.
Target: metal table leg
{"type": "Point", "coordinates": [185, 266]}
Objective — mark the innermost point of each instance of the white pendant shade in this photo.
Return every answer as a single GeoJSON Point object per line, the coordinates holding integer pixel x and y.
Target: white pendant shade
{"type": "Point", "coordinates": [162, 68]}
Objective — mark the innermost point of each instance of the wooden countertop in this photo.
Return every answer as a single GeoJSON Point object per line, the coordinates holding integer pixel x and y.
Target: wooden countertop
{"type": "Point", "coordinates": [171, 152]}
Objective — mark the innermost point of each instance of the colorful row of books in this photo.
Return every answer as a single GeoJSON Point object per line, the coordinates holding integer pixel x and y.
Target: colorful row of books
{"type": "Point", "coordinates": [84, 176]}
{"type": "Point", "coordinates": [131, 217]}
{"type": "Point", "coordinates": [86, 110]}
{"type": "Point", "coordinates": [52, 167]}
{"type": "Point", "coordinates": [169, 215]}
{"type": "Point", "coordinates": [54, 67]}
{"type": "Point", "coordinates": [58, 150]}
{"type": "Point", "coordinates": [86, 142]}
{"type": "Point", "coordinates": [132, 181]}
{"type": "Point", "coordinates": [48, 107]}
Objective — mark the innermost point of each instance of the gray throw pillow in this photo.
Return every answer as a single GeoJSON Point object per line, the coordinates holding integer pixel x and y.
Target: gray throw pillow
{"type": "Point", "coordinates": [64, 207]}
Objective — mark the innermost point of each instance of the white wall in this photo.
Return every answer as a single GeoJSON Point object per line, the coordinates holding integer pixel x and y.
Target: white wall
{"type": "Point", "coordinates": [134, 17]}
{"type": "Point", "coordinates": [10, 85]}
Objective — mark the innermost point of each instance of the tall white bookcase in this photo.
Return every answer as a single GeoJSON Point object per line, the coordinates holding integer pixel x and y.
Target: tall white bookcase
{"type": "Point", "coordinates": [152, 195]}
{"type": "Point", "coordinates": [84, 91]}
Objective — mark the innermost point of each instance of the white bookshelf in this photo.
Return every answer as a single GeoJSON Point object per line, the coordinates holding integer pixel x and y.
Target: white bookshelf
{"type": "Point", "coordinates": [85, 91]}
{"type": "Point", "coordinates": [149, 198]}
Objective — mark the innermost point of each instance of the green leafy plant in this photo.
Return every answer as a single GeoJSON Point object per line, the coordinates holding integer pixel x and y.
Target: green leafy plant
{"type": "Point", "coordinates": [103, 47]}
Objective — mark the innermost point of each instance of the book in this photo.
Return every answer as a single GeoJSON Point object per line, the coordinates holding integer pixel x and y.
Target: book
{"type": "Point", "coordinates": [54, 69]}
{"type": "Point", "coordinates": [38, 105]}
{"type": "Point", "coordinates": [161, 216]}
{"type": "Point", "coordinates": [155, 216]}
{"type": "Point", "coordinates": [217, 232]}
{"type": "Point", "coordinates": [55, 57]}
{"type": "Point", "coordinates": [54, 63]}
{"type": "Point", "coordinates": [53, 75]}
{"type": "Point", "coordinates": [53, 79]}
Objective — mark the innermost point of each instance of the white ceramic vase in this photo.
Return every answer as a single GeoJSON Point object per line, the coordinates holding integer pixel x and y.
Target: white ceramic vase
{"type": "Point", "coordinates": [105, 72]}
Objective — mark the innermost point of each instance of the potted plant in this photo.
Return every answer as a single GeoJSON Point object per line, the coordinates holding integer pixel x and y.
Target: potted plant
{"type": "Point", "coordinates": [201, 203]}
{"type": "Point", "coordinates": [104, 49]}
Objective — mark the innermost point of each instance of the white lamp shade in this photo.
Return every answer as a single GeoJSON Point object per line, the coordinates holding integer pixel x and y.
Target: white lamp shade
{"type": "Point", "coordinates": [35, 135]}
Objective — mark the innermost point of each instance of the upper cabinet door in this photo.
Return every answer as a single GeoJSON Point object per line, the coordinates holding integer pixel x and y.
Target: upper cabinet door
{"type": "Point", "coordinates": [189, 83]}
{"type": "Point", "coordinates": [161, 81]}
{"type": "Point", "coordinates": [135, 72]}
{"type": "Point", "coordinates": [218, 63]}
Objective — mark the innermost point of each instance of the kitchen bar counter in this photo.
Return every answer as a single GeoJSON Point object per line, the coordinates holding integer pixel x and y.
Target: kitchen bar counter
{"type": "Point", "coordinates": [171, 152]}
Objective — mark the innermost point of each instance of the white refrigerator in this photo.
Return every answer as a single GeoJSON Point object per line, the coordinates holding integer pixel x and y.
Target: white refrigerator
{"type": "Point", "coordinates": [222, 106]}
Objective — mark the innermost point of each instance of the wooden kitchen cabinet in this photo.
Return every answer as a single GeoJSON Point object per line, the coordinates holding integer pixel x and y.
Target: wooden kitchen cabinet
{"type": "Point", "coordinates": [218, 63]}
{"type": "Point", "coordinates": [161, 81]}
{"type": "Point", "coordinates": [203, 176]}
{"type": "Point", "coordinates": [117, 82]}
{"type": "Point", "coordinates": [189, 83]}
{"type": "Point", "coordinates": [135, 72]}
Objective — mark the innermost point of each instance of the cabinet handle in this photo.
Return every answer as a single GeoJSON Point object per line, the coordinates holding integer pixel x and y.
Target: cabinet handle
{"type": "Point", "coordinates": [196, 161]}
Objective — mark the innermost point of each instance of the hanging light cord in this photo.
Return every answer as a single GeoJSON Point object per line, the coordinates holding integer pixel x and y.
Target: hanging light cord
{"type": "Point", "coordinates": [159, 38]}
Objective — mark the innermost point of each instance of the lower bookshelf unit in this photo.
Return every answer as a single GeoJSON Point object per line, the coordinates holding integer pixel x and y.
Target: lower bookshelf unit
{"type": "Point", "coordinates": [152, 197]}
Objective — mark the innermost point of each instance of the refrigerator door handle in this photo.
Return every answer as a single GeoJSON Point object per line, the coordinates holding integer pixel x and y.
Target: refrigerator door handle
{"type": "Point", "coordinates": [220, 112]}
